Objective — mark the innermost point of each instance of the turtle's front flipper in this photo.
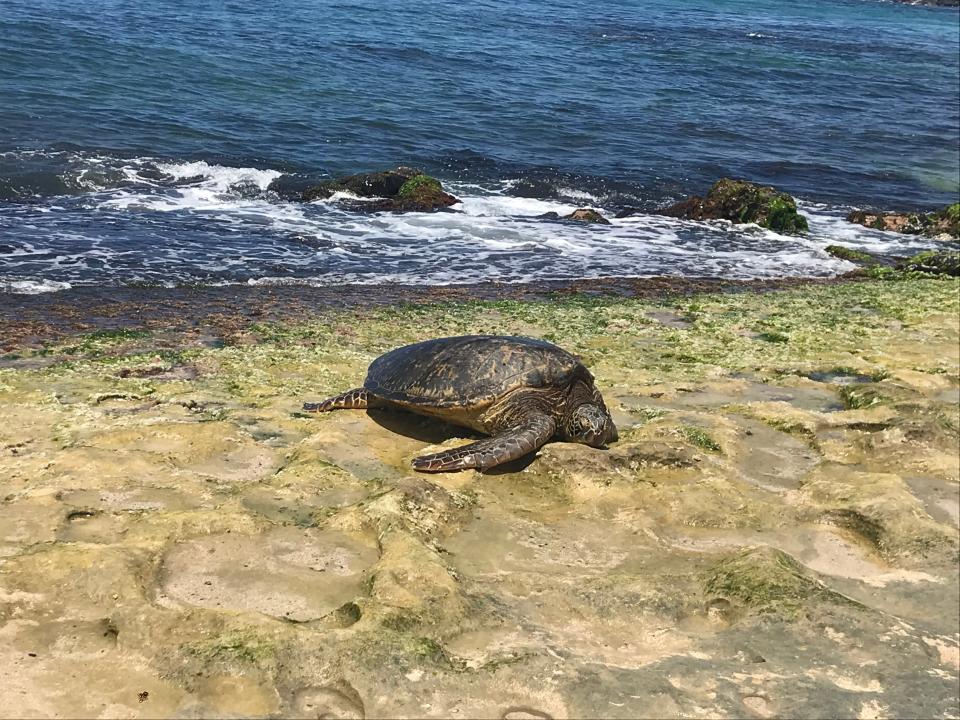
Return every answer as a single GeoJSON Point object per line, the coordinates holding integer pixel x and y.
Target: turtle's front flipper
{"type": "Point", "coordinates": [514, 443]}
{"type": "Point", "coordinates": [356, 399]}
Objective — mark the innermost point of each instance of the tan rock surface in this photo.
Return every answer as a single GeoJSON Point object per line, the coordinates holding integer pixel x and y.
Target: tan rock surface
{"type": "Point", "coordinates": [774, 535]}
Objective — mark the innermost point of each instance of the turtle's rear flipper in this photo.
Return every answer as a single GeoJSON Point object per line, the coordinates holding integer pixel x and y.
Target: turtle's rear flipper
{"type": "Point", "coordinates": [356, 399]}
{"type": "Point", "coordinates": [485, 454]}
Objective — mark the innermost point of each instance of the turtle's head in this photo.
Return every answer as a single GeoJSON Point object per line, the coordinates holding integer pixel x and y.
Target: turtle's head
{"type": "Point", "coordinates": [591, 425]}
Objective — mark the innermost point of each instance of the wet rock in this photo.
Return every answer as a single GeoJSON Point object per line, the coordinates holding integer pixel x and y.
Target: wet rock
{"type": "Point", "coordinates": [934, 262]}
{"type": "Point", "coordinates": [942, 224]}
{"type": "Point", "coordinates": [366, 185]}
{"type": "Point", "coordinates": [402, 189]}
{"type": "Point", "coordinates": [881, 510]}
{"type": "Point", "coordinates": [740, 201]}
{"type": "Point", "coordinates": [587, 215]}
{"type": "Point", "coordinates": [411, 587]}
{"type": "Point", "coordinates": [766, 580]}
{"type": "Point", "coordinates": [340, 700]}
{"type": "Point", "coordinates": [293, 574]}
{"type": "Point", "coordinates": [617, 574]}
{"type": "Point", "coordinates": [627, 212]}
{"type": "Point", "coordinates": [859, 257]}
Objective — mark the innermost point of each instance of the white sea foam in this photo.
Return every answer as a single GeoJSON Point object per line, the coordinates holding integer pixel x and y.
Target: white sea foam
{"type": "Point", "coordinates": [220, 177]}
{"type": "Point", "coordinates": [489, 235]}
{"type": "Point", "coordinates": [32, 287]}
{"type": "Point", "coordinates": [828, 226]}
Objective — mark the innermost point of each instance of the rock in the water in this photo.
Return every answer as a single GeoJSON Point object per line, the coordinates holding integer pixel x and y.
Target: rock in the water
{"type": "Point", "coordinates": [402, 189]}
{"type": "Point", "coordinates": [743, 202]}
{"type": "Point", "coordinates": [422, 193]}
{"type": "Point", "coordinates": [942, 224]}
{"type": "Point", "coordinates": [860, 257]}
{"type": "Point", "coordinates": [935, 262]}
{"type": "Point", "coordinates": [587, 215]}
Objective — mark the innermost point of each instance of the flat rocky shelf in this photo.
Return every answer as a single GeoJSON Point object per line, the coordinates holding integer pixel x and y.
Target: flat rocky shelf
{"type": "Point", "coordinates": [774, 535]}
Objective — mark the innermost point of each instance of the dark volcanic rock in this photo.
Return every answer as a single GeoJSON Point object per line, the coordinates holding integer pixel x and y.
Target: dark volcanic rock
{"type": "Point", "coordinates": [943, 223]}
{"type": "Point", "coordinates": [402, 189]}
{"type": "Point", "coordinates": [384, 184]}
{"type": "Point", "coordinates": [743, 202]}
{"type": "Point", "coordinates": [587, 215]}
{"type": "Point", "coordinates": [935, 262]}
{"type": "Point", "coordinates": [860, 257]}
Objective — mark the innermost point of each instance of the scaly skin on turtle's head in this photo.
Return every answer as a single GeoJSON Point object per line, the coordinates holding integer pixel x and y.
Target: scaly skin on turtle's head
{"type": "Point", "coordinates": [591, 425]}
{"type": "Point", "coordinates": [586, 419]}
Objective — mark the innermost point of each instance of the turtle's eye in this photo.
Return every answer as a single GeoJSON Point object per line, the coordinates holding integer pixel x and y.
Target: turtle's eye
{"type": "Point", "coordinates": [592, 426]}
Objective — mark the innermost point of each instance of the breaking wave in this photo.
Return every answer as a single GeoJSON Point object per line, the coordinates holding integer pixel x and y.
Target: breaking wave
{"type": "Point", "coordinates": [109, 220]}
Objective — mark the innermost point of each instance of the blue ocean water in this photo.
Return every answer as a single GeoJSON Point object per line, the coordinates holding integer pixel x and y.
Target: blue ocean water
{"type": "Point", "coordinates": [139, 141]}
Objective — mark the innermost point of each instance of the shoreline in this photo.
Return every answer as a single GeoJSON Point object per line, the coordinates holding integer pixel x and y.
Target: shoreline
{"type": "Point", "coordinates": [222, 310]}
{"type": "Point", "coordinates": [779, 516]}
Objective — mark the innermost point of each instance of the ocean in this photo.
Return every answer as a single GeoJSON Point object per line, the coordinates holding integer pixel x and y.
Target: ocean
{"type": "Point", "coordinates": [141, 143]}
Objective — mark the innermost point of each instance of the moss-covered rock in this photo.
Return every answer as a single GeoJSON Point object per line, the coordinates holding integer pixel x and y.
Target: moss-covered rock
{"type": "Point", "coordinates": [422, 193]}
{"type": "Point", "coordinates": [740, 201]}
{"type": "Point", "coordinates": [402, 189]}
{"type": "Point", "coordinates": [850, 255]}
{"type": "Point", "coordinates": [768, 581]}
{"type": "Point", "coordinates": [383, 184]}
{"type": "Point", "coordinates": [942, 224]}
{"type": "Point", "coordinates": [934, 262]}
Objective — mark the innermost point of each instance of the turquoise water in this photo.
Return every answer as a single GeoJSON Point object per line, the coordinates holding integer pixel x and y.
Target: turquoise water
{"type": "Point", "coordinates": [139, 143]}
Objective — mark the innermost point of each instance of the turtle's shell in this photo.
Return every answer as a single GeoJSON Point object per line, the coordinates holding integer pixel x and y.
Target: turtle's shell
{"type": "Point", "coordinates": [469, 372]}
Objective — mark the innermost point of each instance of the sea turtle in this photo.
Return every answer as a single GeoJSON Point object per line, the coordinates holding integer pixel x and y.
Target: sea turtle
{"type": "Point", "coordinates": [521, 391]}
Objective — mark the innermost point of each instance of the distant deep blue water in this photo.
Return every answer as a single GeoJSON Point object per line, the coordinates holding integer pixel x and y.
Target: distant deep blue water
{"type": "Point", "coordinates": [138, 140]}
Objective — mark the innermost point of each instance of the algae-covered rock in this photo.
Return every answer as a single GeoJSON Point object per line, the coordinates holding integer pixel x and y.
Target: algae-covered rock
{"type": "Point", "coordinates": [402, 189]}
{"type": "Point", "coordinates": [859, 257]}
{"type": "Point", "coordinates": [422, 193]}
{"type": "Point", "coordinates": [740, 201]}
{"type": "Point", "coordinates": [941, 224]}
{"type": "Point", "coordinates": [587, 215]}
{"type": "Point", "coordinates": [934, 262]}
{"type": "Point", "coordinates": [386, 183]}
{"type": "Point", "coordinates": [220, 555]}
{"type": "Point", "coordinates": [766, 580]}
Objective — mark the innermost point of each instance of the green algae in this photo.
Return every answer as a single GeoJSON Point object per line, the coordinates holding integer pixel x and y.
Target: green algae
{"type": "Point", "coordinates": [701, 438]}
{"type": "Point", "coordinates": [745, 202]}
{"type": "Point", "coordinates": [850, 254]}
{"type": "Point", "coordinates": [330, 352]}
{"type": "Point", "coordinates": [935, 262]}
{"type": "Point", "coordinates": [648, 504]}
{"type": "Point", "coordinates": [238, 647]}
{"type": "Point", "coordinates": [768, 581]}
{"type": "Point", "coordinates": [858, 397]}
{"type": "Point", "coordinates": [773, 337]}
{"type": "Point", "coordinates": [418, 184]}
{"type": "Point", "coordinates": [782, 216]}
